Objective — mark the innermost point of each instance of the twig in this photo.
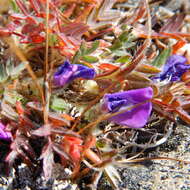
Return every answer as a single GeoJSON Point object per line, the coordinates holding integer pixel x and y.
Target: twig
{"type": "Point", "coordinates": [152, 145]}
{"type": "Point", "coordinates": [153, 158]}
{"type": "Point", "coordinates": [46, 68]}
{"type": "Point", "coordinates": [148, 22]}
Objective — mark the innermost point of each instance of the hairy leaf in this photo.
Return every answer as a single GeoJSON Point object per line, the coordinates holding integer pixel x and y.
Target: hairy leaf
{"type": "Point", "coordinates": [48, 160]}
{"type": "Point", "coordinates": [57, 148]}
{"type": "Point", "coordinates": [43, 131]}
{"type": "Point", "coordinates": [8, 111]}
{"type": "Point", "coordinates": [162, 57]}
{"type": "Point", "coordinates": [20, 147]}
{"type": "Point", "coordinates": [136, 76]}
{"type": "Point", "coordinates": [95, 45]}
{"type": "Point", "coordinates": [123, 59]}
{"type": "Point", "coordinates": [90, 59]}
{"type": "Point", "coordinates": [145, 68]}
{"type": "Point", "coordinates": [3, 73]}
{"type": "Point", "coordinates": [103, 15]}
{"type": "Point", "coordinates": [58, 104]}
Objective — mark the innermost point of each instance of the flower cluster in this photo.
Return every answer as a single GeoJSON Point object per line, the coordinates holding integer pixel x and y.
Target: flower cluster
{"type": "Point", "coordinates": [135, 117]}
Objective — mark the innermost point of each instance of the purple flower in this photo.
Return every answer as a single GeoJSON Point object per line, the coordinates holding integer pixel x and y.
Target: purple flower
{"type": "Point", "coordinates": [68, 72]}
{"type": "Point", "coordinates": [4, 134]}
{"type": "Point", "coordinates": [174, 68]}
{"type": "Point", "coordinates": [136, 117]}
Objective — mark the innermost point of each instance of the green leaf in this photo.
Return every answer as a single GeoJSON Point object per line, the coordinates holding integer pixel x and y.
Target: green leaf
{"type": "Point", "coordinates": [123, 59]}
{"type": "Point", "coordinates": [76, 57]}
{"type": "Point", "coordinates": [9, 66]}
{"type": "Point", "coordinates": [83, 49]}
{"type": "Point", "coordinates": [100, 143]}
{"type": "Point", "coordinates": [162, 57]}
{"type": "Point", "coordinates": [129, 45]}
{"type": "Point", "coordinates": [95, 45]}
{"type": "Point", "coordinates": [124, 36]}
{"type": "Point", "coordinates": [18, 69]}
{"type": "Point", "coordinates": [125, 27]}
{"type": "Point", "coordinates": [58, 104]}
{"type": "Point", "coordinates": [12, 97]}
{"type": "Point", "coordinates": [119, 53]}
{"type": "Point", "coordinates": [90, 59]}
{"type": "Point", "coordinates": [3, 73]}
{"type": "Point", "coordinates": [52, 39]}
{"type": "Point", "coordinates": [14, 6]}
{"type": "Point", "coordinates": [79, 53]}
{"type": "Point", "coordinates": [117, 45]}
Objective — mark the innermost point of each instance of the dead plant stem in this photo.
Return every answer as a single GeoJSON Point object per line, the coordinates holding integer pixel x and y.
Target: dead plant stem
{"type": "Point", "coordinates": [149, 24]}
{"type": "Point", "coordinates": [46, 68]}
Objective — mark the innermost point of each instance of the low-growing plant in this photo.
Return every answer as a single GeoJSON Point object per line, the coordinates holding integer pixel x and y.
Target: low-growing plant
{"type": "Point", "coordinates": [80, 78]}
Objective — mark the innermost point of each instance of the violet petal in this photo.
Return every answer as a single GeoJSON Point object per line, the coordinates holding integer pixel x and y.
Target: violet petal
{"type": "Point", "coordinates": [174, 68]}
{"type": "Point", "coordinates": [68, 72]}
{"type": "Point", "coordinates": [134, 118]}
{"type": "Point", "coordinates": [4, 134]}
{"type": "Point", "coordinates": [83, 72]}
{"type": "Point", "coordinates": [64, 73]}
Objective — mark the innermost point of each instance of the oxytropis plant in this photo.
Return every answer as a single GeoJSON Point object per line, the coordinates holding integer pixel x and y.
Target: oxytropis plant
{"type": "Point", "coordinates": [82, 77]}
